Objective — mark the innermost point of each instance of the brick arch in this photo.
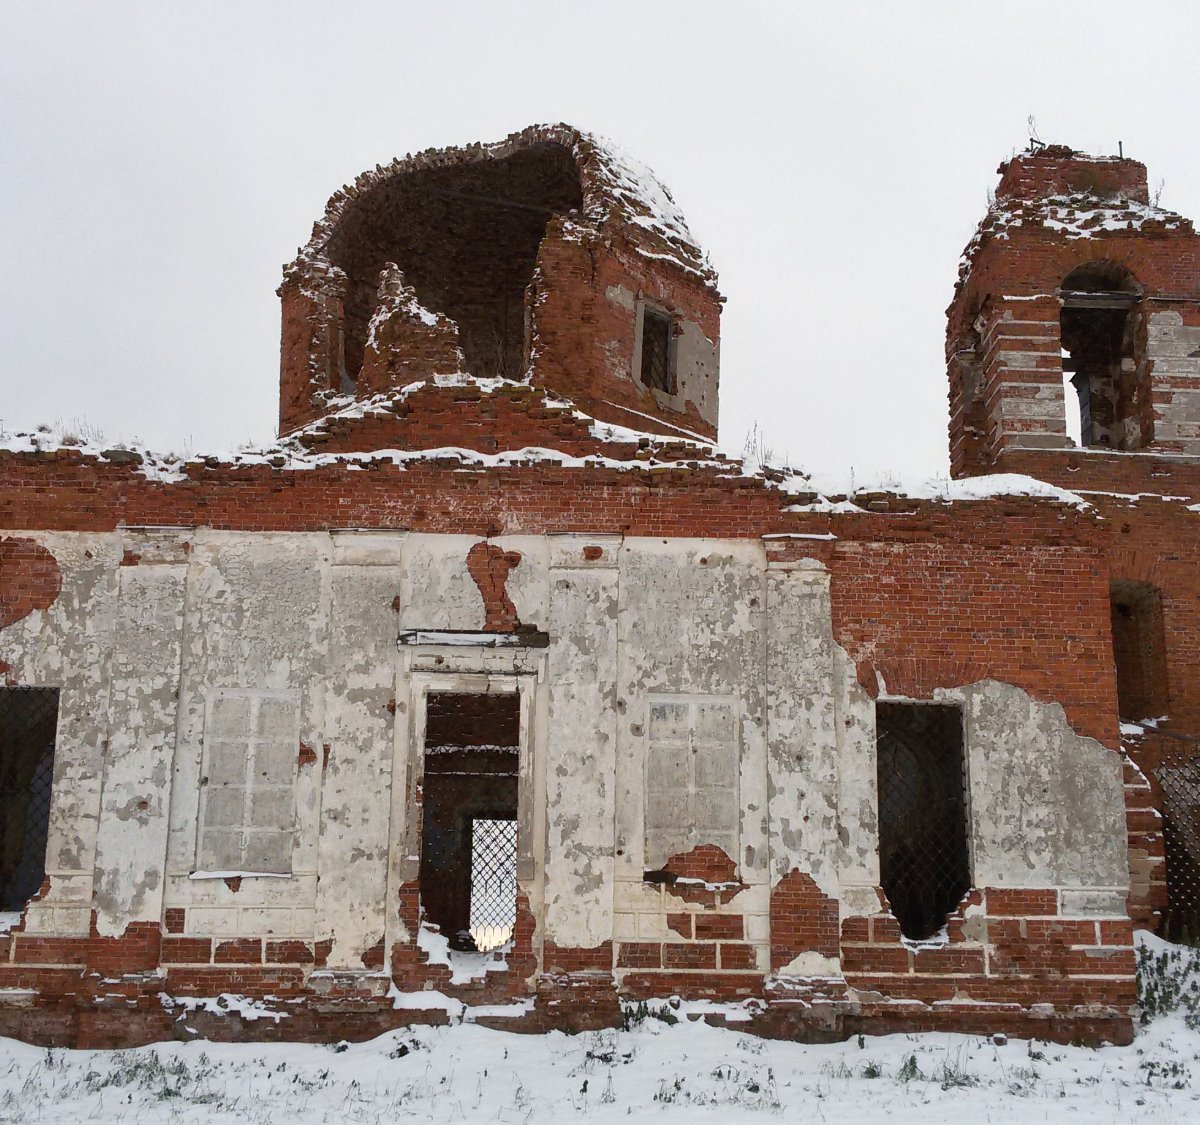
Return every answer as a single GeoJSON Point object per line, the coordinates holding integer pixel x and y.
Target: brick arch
{"type": "Point", "coordinates": [917, 677]}
{"type": "Point", "coordinates": [1137, 565]}
{"type": "Point", "coordinates": [602, 175]}
{"type": "Point", "coordinates": [29, 579]}
{"type": "Point", "coordinates": [1108, 272]}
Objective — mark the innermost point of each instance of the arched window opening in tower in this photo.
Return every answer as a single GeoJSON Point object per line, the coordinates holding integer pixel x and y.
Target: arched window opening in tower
{"type": "Point", "coordinates": [28, 725]}
{"type": "Point", "coordinates": [924, 865]}
{"type": "Point", "coordinates": [1106, 404]}
{"type": "Point", "coordinates": [466, 238]}
{"type": "Point", "coordinates": [1139, 650]}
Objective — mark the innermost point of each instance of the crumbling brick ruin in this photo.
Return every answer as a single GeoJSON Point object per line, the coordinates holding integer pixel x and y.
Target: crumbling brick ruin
{"type": "Point", "coordinates": [493, 690]}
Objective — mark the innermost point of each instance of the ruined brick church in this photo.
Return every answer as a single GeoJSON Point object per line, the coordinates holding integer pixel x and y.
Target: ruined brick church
{"type": "Point", "coordinates": [493, 692]}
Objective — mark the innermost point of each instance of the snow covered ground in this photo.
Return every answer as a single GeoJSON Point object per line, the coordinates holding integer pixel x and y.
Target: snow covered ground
{"type": "Point", "coordinates": [656, 1070]}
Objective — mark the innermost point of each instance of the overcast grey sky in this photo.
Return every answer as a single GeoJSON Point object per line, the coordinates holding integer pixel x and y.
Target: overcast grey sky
{"type": "Point", "coordinates": [160, 161]}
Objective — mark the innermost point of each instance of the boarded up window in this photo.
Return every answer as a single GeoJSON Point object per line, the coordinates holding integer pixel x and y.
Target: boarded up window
{"type": "Point", "coordinates": [691, 778]}
{"type": "Point", "coordinates": [247, 806]}
{"type": "Point", "coordinates": [923, 862]}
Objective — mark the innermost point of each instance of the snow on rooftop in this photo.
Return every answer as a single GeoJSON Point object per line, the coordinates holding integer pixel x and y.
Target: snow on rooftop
{"type": "Point", "coordinates": [643, 200]}
{"type": "Point", "coordinates": [822, 492]}
{"type": "Point", "coordinates": [845, 488]}
{"type": "Point", "coordinates": [1077, 216]}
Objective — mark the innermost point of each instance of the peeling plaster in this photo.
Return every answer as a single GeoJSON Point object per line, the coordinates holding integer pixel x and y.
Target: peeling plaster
{"type": "Point", "coordinates": [138, 649]}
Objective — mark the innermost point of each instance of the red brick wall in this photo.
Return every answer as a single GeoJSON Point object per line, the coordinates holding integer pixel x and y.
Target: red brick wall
{"type": "Point", "coordinates": [578, 328]}
{"type": "Point", "coordinates": [918, 614]}
{"type": "Point", "coordinates": [1005, 946]}
{"type": "Point", "coordinates": [1057, 170]}
{"type": "Point", "coordinates": [29, 579]}
{"type": "Point", "coordinates": [521, 283]}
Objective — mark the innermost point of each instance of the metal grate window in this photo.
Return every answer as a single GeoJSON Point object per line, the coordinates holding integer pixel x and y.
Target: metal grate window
{"type": "Point", "coordinates": [493, 881]}
{"type": "Point", "coordinates": [28, 726]}
{"type": "Point", "coordinates": [656, 351]}
{"type": "Point", "coordinates": [1179, 776]}
{"type": "Point", "coordinates": [923, 861]}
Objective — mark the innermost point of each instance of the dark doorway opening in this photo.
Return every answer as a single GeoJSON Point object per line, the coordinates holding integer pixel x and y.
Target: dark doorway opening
{"type": "Point", "coordinates": [28, 726]}
{"type": "Point", "coordinates": [469, 816]}
{"type": "Point", "coordinates": [1139, 650]}
{"type": "Point", "coordinates": [923, 857]}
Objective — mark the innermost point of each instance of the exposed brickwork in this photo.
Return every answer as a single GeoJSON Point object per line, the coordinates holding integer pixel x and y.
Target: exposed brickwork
{"type": "Point", "coordinates": [888, 598]}
{"type": "Point", "coordinates": [552, 301]}
{"type": "Point", "coordinates": [1057, 170]}
{"type": "Point", "coordinates": [405, 341]}
{"type": "Point", "coordinates": [1005, 945]}
{"type": "Point", "coordinates": [1005, 340]}
{"type": "Point", "coordinates": [681, 924]}
{"type": "Point", "coordinates": [706, 985]}
{"type": "Point", "coordinates": [489, 566]}
{"type": "Point", "coordinates": [803, 920]}
{"type": "Point", "coordinates": [705, 876]}
{"type": "Point", "coordinates": [719, 927]}
{"type": "Point", "coordinates": [570, 959]}
{"type": "Point", "coordinates": [29, 579]}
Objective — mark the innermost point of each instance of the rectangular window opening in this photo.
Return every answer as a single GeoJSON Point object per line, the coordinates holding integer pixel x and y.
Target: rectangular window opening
{"type": "Point", "coordinates": [468, 873]}
{"type": "Point", "coordinates": [923, 856]}
{"type": "Point", "coordinates": [657, 370]}
{"type": "Point", "coordinates": [28, 729]}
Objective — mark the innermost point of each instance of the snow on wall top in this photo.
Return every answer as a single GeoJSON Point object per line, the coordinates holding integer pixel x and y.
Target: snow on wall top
{"type": "Point", "coordinates": [799, 491]}
{"type": "Point", "coordinates": [1070, 194]}
{"type": "Point", "coordinates": [1076, 216]}
{"type": "Point", "coordinates": [617, 190]}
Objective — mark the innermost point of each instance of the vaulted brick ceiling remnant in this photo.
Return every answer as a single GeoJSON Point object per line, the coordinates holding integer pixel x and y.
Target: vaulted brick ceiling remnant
{"type": "Point", "coordinates": [536, 261]}
{"type": "Point", "coordinates": [465, 238]}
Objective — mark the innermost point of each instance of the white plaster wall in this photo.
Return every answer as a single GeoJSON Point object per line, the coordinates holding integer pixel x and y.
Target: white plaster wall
{"type": "Point", "coordinates": [360, 677]}
{"type": "Point", "coordinates": [257, 619]}
{"type": "Point", "coordinates": [581, 750]}
{"type": "Point", "coordinates": [137, 650]}
{"type": "Point", "coordinates": [1173, 348]}
{"type": "Point", "coordinates": [69, 646]}
{"type": "Point", "coordinates": [132, 831]}
{"type": "Point", "coordinates": [1047, 805]}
